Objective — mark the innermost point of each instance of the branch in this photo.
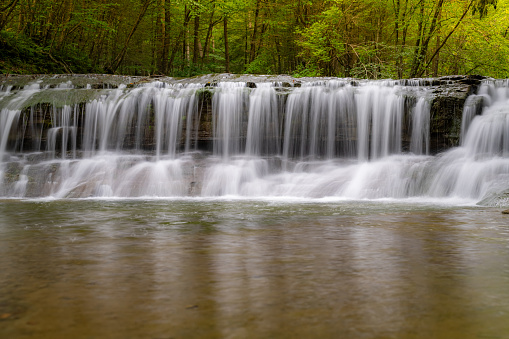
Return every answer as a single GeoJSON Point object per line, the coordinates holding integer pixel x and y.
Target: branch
{"type": "Point", "coordinates": [5, 17]}
{"type": "Point", "coordinates": [63, 64]}
{"type": "Point", "coordinates": [120, 57]}
{"type": "Point", "coordinates": [446, 38]}
{"type": "Point", "coordinates": [13, 3]}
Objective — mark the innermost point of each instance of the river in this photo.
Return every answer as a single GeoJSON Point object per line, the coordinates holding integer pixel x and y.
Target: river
{"type": "Point", "coordinates": [241, 268]}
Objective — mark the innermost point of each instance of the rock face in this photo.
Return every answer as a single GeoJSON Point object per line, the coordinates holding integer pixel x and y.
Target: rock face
{"type": "Point", "coordinates": [448, 96]}
{"type": "Point", "coordinates": [496, 199]}
{"type": "Point", "coordinates": [253, 136]}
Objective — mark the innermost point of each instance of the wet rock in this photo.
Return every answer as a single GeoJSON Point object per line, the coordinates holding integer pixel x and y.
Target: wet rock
{"type": "Point", "coordinates": [448, 100]}
{"type": "Point", "coordinates": [496, 199]}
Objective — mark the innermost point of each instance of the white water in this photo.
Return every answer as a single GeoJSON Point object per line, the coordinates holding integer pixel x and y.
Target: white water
{"type": "Point", "coordinates": [9, 116]}
{"type": "Point", "coordinates": [327, 139]}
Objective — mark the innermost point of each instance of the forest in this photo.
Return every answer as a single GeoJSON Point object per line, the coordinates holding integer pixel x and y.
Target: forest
{"type": "Point", "coordinates": [373, 39]}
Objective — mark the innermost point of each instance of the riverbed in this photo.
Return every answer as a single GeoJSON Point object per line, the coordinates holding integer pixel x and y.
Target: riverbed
{"type": "Point", "coordinates": [239, 268]}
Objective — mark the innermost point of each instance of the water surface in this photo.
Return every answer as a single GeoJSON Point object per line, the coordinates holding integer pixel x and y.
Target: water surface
{"type": "Point", "coordinates": [198, 268]}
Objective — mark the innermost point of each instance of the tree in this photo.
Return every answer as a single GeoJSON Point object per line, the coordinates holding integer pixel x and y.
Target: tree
{"type": "Point", "coordinates": [348, 38]}
{"type": "Point", "coordinates": [115, 63]}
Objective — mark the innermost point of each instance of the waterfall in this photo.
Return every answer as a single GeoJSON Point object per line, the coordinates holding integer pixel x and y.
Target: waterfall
{"type": "Point", "coordinates": [320, 122]}
{"type": "Point", "coordinates": [152, 116]}
{"type": "Point", "coordinates": [336, 138]}
{"type": "Point", "coordinates": [64, 121]}
{"type": "Point", "coordinates": [364, 121]}
{"type": "Point", "coordinates": [473, 107]}
{"type": "Point", "coordinates": [228, 113]}
{"type": "Point", "coordinates": [9, 116]}
{"type": "Point", "coordinates": [481, 165]}
{"type": "Point", "coordinates": [263, 135]}
{"type": "Point", "coordinates": [420, 127]}
{"type": "Point", "coordinates": [488, 134]}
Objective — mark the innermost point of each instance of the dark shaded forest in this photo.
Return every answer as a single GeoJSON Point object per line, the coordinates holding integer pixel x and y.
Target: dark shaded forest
{"type": "Point", "coordinates": [181, 38]}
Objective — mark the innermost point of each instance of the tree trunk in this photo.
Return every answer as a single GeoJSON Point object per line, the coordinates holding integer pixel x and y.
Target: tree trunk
{"type": "Point", "coordinates": [175, 49]}
{"type": "Point", "coordinates": [120, 57]}
{"type": "Point", "coordinates": [434, 67]}
{"type": "Point", "coordinates": [162, 50]}
{"type": "Point", "coordinates": [447, 36]}
{"type": "Point", "coordinates": [226, 49]}
{"type": "Point", "coordinates": [180, 38]}
{"type": "Point", "coordinates": [209, 34]}
{"type": "Point", "coordinates": [185, 47]}
{"type": "Point", "coordinates": [252, 52]}
{"type": "Point", "coordinates": [278, 51]}
{"type": "Point", "coordinates": [422, 50]}
{"type": "Point", "coordinates": [6, 12]}
{"type": "Point", "coordinates": [166, 45]}
{"type": "Point", "coordinates": [196, 42]}
{"type": "Point", "coordinates": [67, 17]}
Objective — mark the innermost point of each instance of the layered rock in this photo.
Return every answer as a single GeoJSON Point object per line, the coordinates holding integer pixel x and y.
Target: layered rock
{"type": "Point", "coordinates": [447, 99]}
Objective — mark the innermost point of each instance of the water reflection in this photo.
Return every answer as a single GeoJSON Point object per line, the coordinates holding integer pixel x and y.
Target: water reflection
{"type": "Point", "coordinates": [247, 269]}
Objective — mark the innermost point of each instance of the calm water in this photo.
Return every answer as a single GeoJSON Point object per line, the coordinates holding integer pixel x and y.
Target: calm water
{"type": "Point", "coordinates": [252, 269]}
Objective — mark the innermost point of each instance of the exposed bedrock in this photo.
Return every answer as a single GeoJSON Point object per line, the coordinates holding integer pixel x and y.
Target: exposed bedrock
{"type": "Point", "coordinates": [446, 96]}
{"type": "Point", "coordinates": [449, 96]}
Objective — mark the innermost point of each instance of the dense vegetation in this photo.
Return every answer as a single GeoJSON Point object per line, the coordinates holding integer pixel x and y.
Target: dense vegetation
{"type": "Point", "coordinates": [347, 38]}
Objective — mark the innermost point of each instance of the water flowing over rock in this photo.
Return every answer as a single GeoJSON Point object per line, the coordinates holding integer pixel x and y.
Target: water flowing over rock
{"type": "Point", "coordinates": [254, 136]}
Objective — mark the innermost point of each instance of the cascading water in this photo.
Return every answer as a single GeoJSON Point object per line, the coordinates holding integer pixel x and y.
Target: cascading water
{"type": "Point", "coordinates": [342, 138]}
{"type": "Point", "coordinates": [481, 165]}
{"type": "Point", "coordinates": [420, 127]}
{"type": "Point", "coordinates": [9, 116]}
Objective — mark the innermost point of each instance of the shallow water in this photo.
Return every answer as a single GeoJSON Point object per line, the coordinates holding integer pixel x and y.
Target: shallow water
{"type": "Point", "coordinates": [198, 268]}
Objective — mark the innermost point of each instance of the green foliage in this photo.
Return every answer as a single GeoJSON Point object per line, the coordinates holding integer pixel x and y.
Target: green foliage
{"type": "Point", "coordinates": [480, 48]}
{"type": "Point", "coordinates": [306, 71]}
{"type": "Point", "coordinates": [378, 39]}
{"type": "Point", "coordinates": [346, 38]}
{"type": "Point", "coordinates": [19, 54]}
{"type": "Point", "coordinates": [188, 69]}
{"type": "Point", "coordinates": [263, 64]}
{"type": "Point", "coordinates": [481, 7]}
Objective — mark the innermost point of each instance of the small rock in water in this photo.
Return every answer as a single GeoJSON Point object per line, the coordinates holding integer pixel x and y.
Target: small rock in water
{"type": "Point", "coordinates": [505, 212]}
